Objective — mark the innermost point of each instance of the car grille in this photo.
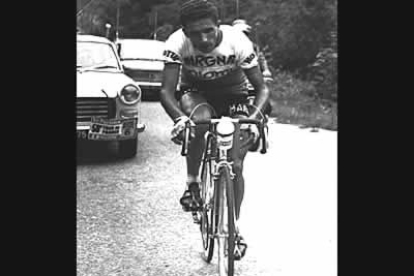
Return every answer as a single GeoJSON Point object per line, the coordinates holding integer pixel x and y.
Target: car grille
{"type": "Point", "coordinates": [147, 76]}
{"type": "Point", "coordinates": [86, 108]}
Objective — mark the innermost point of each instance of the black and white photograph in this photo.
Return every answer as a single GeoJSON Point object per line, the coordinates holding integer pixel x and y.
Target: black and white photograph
{"type": "Point", "coordinates": [206, 138]}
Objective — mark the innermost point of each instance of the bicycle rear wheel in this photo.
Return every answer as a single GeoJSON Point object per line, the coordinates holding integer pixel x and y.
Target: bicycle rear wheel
{"type": "Point", "coordinates": [208, 214]}
{"type": "Point", "coordinates": [226, 229]}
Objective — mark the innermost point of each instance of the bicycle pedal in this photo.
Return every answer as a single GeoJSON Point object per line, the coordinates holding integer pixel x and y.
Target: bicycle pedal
{"type": "Point", "coordinates": [196, 218]}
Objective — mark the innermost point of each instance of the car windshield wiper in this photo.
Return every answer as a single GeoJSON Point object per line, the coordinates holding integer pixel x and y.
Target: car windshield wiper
{"type": "Point", "coordinates": [146, 59]}
{"type": "Point", "coordinates": [104, 67]}
{"type": "Point", "coordinates": [92, 68]}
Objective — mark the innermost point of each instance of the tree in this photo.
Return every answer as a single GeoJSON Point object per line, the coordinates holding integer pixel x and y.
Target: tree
{"type": "Point", "coordinates": [294, 31]}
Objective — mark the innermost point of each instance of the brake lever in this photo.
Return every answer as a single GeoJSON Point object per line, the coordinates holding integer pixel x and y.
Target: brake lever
{"type": "Point", "coordinates": [263, 150]}
{"type": "Point", "coordinates": [184, 149]}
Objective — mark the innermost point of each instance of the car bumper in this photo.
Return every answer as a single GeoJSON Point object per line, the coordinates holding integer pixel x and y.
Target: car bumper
{"type": "Point", "coordinates": [149, 85]}
{"type": "Point", "coordinates": [109, 130]}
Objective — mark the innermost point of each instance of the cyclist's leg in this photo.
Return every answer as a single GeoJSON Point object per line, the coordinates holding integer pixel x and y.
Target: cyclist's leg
{"type": "Point", "coordinates": [235, 106]}
{"type": "Point", "coordinates": [195, 106]}
{"type": "Point", "coordinates": [241, 245]}
{"type": "Point", "coordinates": [238, 170]}
{"type": "Point", "coordinates": [240, 111]}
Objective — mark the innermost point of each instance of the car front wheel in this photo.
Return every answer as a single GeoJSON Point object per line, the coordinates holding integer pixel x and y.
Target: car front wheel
{"type": "Point", "coordinates": [128, 148]}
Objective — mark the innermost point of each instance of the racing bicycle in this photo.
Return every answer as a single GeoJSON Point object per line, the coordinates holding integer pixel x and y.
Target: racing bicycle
{"type": "Point", "coordinates": [216, 216]}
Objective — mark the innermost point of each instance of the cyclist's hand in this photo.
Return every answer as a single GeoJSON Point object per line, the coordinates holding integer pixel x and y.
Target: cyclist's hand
{"type": "Point", "coordinates": [267, 76]}
{"type": "Point", "coordinates": [253, 129]}
{"type": "Point", "coordinates": [177, 133]}
{"type": "Point", "coordinates": [268, 79]}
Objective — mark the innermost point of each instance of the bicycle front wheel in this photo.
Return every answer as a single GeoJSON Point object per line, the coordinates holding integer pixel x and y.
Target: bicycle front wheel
{"type": "Point", "coordinates": [226, 228]}
{"type": "Point", "coordinates": [208, 213]}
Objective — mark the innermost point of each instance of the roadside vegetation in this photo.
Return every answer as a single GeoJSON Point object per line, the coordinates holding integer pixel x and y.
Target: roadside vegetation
{"type": "Point", "coordinates": [293, 103]}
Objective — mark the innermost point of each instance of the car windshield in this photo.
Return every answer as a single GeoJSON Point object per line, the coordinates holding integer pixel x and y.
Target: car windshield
{"type": "Point", "coordinates": [95, 55]}
{"type": "Point", "coordinates": [146, 50]}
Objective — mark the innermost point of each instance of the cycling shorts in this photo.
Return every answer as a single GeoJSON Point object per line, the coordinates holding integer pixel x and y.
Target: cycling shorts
{"type": "Point", "coordinates": [218, 105]}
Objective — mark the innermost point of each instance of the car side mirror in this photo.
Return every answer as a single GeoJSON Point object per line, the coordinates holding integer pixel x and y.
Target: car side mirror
{"type": "Point", "coordinates": [118, 48]}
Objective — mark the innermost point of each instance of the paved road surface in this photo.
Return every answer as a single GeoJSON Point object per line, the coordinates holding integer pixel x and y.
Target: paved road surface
{"type": "Point", "coordinates": [129, 221]}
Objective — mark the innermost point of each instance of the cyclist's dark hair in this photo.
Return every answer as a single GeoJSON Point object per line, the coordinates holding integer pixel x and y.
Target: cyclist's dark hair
{"type": "Point", "coordinates": [193, 10]}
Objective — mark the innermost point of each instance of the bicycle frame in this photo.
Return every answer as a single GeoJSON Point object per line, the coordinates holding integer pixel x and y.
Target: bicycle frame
{"type": "Point", "coordinates": [219, 142]}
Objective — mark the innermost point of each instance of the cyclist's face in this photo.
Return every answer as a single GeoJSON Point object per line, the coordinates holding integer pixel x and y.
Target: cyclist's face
{"type": "Point", "coordinates": [203, 34]}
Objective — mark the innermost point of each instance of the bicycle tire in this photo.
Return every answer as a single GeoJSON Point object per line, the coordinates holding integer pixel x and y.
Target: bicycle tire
{"type": "Point", "coordinates": [226, 187]}
{"type": "Point", "coordinates": [231, 222]}
{"type": "Point", "coordinates": [207, 214]}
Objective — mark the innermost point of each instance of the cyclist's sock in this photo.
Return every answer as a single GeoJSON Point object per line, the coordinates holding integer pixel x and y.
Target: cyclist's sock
{"type": "Point", "coordinates": [236, 227]}
{"type": "Point", "coordinates": [192, 179]}
{"type": "Point", "coordinates": [195, 188]}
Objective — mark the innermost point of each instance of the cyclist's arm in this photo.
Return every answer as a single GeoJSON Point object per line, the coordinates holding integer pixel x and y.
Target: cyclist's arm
{"type": "Point", "coordinates": [263, 65]}
{"type": "Point", "coordinates": [255, 77]}
{"type": "Point", "coordinates": [167, 94]}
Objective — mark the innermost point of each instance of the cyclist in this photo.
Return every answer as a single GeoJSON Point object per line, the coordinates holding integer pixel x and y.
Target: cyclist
{"type": "Point", "coordinates": [213, 62]}
{"type": "Point", "coordinates": [241, 25]}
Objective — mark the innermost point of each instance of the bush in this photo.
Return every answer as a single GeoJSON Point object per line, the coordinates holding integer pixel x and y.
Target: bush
{"type": "Point", "coordinates": [294, 102]}
{"type": "Point", "coordinates": [324, 75]}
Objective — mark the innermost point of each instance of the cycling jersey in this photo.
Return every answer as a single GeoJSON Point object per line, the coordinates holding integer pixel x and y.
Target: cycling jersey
{"type": "Point", "coordinates": [220, 70]}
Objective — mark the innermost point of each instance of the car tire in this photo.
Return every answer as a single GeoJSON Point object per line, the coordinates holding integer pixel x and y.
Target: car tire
{"type": "Point", "coordinates": [128, 148]}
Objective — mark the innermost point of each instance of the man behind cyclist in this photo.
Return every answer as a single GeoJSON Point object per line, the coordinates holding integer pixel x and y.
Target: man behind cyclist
{"type": "Point", "coordinates": [215, 61]}
{"type": "Point", "coordinates": [241, 25]}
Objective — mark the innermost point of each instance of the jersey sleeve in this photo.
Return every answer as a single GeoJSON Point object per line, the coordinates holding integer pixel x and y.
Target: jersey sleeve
{"type": "Point", "coordinates": [245, 51]}
{"type": "Point", "coordinates": [173, 47]}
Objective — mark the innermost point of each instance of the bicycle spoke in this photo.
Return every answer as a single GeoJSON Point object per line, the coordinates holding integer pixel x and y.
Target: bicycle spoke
{"type": "Point", "coordinates": [207, 212]}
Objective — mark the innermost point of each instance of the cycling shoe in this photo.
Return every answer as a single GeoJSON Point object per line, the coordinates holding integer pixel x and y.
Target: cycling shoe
{"type": "Point", "coordinates": [240, 248]}
{"type": "Point", "coordinates": [191, 200]}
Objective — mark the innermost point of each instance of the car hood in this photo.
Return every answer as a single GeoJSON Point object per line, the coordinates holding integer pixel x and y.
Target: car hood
{"type": "Point", "coordinates": [93, 83]}
{"type": "Point", "coordinates": [143, 65]}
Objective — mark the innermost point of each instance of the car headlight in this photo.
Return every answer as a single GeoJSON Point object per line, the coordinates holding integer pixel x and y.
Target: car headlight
{"type": "Point", "coordinates": [130, 94]}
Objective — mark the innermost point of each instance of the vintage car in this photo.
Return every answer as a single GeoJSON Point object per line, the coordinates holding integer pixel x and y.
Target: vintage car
{"type": "Point", "coordinates": [142, 60]}
{"type": "Point", "coordinates": [107, 101]}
